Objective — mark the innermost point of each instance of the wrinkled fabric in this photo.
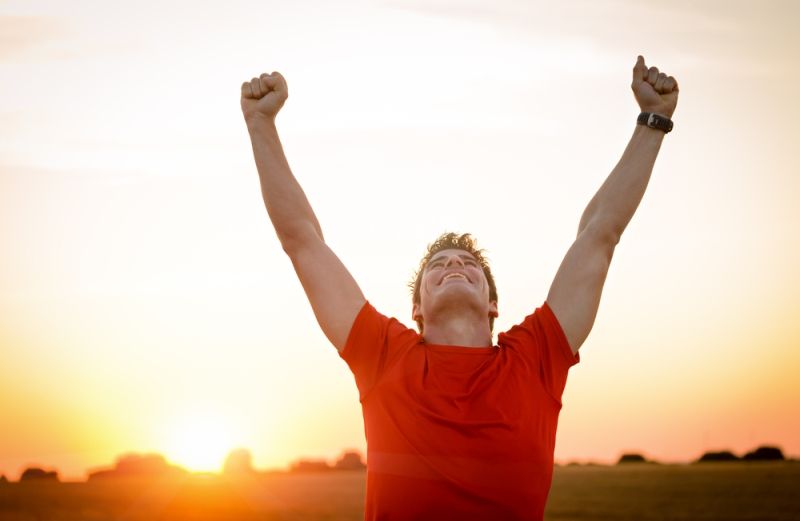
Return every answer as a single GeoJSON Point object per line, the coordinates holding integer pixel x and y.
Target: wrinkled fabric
{"type": "Point", "coordinates": [458, 432]}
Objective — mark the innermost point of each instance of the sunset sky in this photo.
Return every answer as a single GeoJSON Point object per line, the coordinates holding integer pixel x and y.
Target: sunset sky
{"type": "Point", "coordinates": [146, 304]}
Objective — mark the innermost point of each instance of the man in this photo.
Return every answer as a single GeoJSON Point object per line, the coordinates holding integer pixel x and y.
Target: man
{"type": "Point", "coordinates": [458, 428]}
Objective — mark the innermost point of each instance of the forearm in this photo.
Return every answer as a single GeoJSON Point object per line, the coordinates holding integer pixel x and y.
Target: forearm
{"type": "Point", "coordinates": [286, 203]}
{"type": "Point", "coordinates": [615, 202]}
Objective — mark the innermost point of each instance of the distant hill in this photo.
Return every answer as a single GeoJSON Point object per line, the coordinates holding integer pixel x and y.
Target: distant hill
{"type": "Point", "coordinates": [37, 474]}
{"type": "Point", "coordinates": [138, 465]}
{"type": "Point", "coordinates": [762, 453]}
{"type": "Point", "coordinates": [724, 455]}
{"type": "Point", "coordinates": [238, 463]}
{"type": "Point", "coordinates": [310, 465]}
{"type": "Point", "coordinates": [349, 460]}
{"type": "Point", "coordinates": [633, 458]}
{"type": "Point", "coordinates": [765, 453]}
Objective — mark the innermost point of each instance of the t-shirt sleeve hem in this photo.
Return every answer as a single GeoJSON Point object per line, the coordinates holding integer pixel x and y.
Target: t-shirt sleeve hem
{"type": "Point", "coordinates": [361, 316]}
{"type": "Point", "coordinates": [563, 344]}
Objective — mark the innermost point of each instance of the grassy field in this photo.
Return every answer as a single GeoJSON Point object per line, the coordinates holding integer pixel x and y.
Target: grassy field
{"type": "Point", "coordinates": [712, 491]}
{"type": "Point", "coordinates": [721, 491]}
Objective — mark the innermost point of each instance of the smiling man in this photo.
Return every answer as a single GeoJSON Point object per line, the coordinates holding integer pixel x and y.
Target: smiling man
{"type": "Point", "coordinates": [458, 427]}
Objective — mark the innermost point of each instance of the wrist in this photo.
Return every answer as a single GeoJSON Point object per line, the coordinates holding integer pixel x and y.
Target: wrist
{"type": "Point", "coordinates": [259, 122]}
{"type": "Point", "coordinates": [649, 135]}
{"type": "Point", "coordinates": [656, 121]}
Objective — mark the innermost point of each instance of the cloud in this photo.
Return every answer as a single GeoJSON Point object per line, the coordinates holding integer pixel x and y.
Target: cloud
{"type": "Point", "coordinates": [739, 38]}
{"type": "Point", "coordinates": [578, 18]}
{"type": "Point", "coordinates": [29, 37]}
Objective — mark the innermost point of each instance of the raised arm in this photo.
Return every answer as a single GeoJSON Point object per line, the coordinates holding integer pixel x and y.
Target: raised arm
{"type": "Point", "coordinates": [575, 293]}
{"type": "Point", "coordinates": [333, 293]}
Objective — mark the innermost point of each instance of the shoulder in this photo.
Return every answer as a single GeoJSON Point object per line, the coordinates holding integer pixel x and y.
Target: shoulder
{"type": "Point", "coordinates": [532, 325]}
{"type": "Point", "coordinates": [374, 344]}
{"type": "Point", "coordinates": [372, 328]}
{"type": "Point", "coordinates": [540, 331]}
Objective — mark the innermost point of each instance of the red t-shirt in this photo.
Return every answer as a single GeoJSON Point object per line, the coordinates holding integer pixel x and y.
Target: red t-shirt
{"type": "Point", "coordinates": [458, 432]}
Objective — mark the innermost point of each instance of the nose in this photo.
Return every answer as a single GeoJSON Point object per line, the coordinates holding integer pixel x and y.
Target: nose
{"type": "Point", "coordinates": [454, 259]}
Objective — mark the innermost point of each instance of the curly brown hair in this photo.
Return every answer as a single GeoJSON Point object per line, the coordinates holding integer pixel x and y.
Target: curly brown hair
{"type": "Point", "coordinates": [447, 241]}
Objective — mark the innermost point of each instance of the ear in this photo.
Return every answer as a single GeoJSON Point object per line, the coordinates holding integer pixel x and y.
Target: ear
{"type": "Point", "coordinates": [493, 311]}
{"type": "Point", "coordinates": [416, 312]}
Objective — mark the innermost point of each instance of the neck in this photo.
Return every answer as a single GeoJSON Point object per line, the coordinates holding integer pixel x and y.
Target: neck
{"type": "Point", "coordinates": [458, 330]}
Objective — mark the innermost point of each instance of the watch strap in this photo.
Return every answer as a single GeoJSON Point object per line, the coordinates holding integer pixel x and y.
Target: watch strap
{"type": "Point", "coordinates": [656, 121]}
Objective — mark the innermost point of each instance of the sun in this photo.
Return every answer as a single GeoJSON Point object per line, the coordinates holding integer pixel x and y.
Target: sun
{"type": "Point", "coordinates": [199, 443]}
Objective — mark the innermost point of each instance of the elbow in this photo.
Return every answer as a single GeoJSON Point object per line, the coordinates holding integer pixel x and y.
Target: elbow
{"type": "Point", "coordinates": [606, 225]}
{"type": "Point", "coordinates": [612, 235]}
{"type": "Point", "coordinates": [298, 237]}
{"type": "Point", "coordinates": [602, 231]}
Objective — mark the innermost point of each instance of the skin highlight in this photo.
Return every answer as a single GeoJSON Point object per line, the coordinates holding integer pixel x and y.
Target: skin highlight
{"type": "Point", "coordinates": [455, 307]}
{"type": "Point", "coordinates": [451, 240]}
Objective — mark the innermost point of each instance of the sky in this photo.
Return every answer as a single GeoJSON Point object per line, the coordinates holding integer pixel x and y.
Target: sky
{"type": "Point", "coordinates": [146, 304]}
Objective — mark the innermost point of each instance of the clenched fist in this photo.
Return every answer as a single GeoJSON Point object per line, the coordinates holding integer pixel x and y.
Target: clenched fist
{"type": "Point", "coordinates": [264, 96]}
{"type": "Point", "coordinates": [654, 90]}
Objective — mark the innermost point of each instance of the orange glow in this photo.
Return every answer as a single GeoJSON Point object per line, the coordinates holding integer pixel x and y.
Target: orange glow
{"type": "Point", "coordinates": [199, 443]}
{"type": "Point", "coordinates": [141, 280]}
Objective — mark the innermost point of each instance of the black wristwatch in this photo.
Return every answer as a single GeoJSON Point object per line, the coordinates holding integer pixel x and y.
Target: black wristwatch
{"type": "Point", "coordinates": [653, 120]}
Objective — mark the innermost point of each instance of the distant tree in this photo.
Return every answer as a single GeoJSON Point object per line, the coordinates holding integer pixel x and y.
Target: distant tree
{"type": "Point", "coordinates": [631, 458]}
{"type": "Point", "coordinates": [724, 455]}
{"type": "Point", "coordinates": [139, 466]}
{"type": "Point", "coordinates": [3, 478]}
{"type": "Point", "coordinates": [37, 474]}
{"type": "Point", "coordinates": [309, 465]}
{"type": "Point", "coordinates": [238, 463]}
{"type": "Point", "coordinates": [765, 453]}
{"type": "Point", "coordinates": [350, 460]}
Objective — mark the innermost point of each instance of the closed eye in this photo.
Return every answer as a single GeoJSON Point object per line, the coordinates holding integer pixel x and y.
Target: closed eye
{"type": "Point", "coordinates": [466, 260]}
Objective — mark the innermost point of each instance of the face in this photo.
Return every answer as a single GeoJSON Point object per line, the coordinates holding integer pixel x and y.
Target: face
{"type": "Point", "coordinates": [453, 275]}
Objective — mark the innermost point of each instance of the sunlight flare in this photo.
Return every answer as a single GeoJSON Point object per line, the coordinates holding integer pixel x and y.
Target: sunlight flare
{"type": "Point", "coordinates": [200, 443]}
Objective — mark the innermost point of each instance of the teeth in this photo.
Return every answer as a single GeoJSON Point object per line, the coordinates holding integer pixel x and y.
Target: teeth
{"type": "Point", "coordinates": [455, 275]}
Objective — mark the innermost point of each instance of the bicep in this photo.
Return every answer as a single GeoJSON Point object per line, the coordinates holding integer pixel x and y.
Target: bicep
{"type": "Point", "coordinates": [575, 293]}
{"type": "Point", "coordinates": [333, 293]}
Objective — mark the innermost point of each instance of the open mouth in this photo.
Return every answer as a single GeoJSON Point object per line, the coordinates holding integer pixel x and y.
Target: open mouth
{"type": "Point", "coordinates": [454, 276]}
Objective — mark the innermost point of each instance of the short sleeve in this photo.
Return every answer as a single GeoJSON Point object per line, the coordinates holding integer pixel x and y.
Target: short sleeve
{"type": "Point", "coordinates": [540, 338]}
{"type": "Point", "coordinates": [374, 343]}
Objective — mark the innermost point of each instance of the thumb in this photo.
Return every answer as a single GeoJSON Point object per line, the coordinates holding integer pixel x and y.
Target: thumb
{"type": "Point", "coordinates": [639, 70]}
